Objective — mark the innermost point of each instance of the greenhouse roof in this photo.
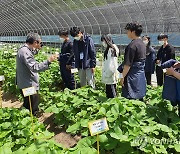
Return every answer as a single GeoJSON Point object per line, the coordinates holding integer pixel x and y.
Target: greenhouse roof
{"type": "Point", "coordinates": [18, 17]}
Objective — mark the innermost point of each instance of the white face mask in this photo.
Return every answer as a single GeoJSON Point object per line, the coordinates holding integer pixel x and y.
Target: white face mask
{"type": "Point", "coordinates": [161, 42]}
{"type": "Point", "coordinates": [104, 44]}
{"type": "Point", "coordinates": [145, 42]}
{"type": "Point", "coordinates": [77, 38]}
{"type": "Point", "coordinates": [62, 40]}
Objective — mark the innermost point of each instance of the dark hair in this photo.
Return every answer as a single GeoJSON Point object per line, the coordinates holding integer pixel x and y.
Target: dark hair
{"type": "Point", "coordinates": [149, 39]}
{"type": "Point", "coordinates": [109, 43]}
{"type": "Point", "coordinates": [74, 31]}
{"type": "Point", "coordinates": [31, 37]}
{"type": "Point", "coordinates": [134, 27]}
{"type": "Point", "coordinates": [162, 36]}
{"type": "Point", "coordinates": [148, 50]}
{"type": "Point", "coordinates": [63, 33]}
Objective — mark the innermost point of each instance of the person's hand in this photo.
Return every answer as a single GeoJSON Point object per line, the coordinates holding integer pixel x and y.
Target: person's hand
{"type": "Point", "coordinates": [93, 70]}
{"type": "Point", "coordinates": [170, 71]}
{"type": "Point", "coordinates": [157, 61]}
{"type": "Point", "coordinates": [122, 82]}
{"type": "Point", "coordinates": [68, 67]}
{"type": "Point", "coordinates": [176, 65]}
{"type": "Point", "coordinates": [53, 58]}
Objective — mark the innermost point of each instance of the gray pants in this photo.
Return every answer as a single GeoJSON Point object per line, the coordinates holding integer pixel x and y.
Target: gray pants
{"type": "Point", "coordinates": [86, 77]}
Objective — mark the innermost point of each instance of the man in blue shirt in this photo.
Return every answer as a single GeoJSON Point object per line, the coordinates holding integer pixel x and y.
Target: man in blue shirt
{"type": "Point", "coordinates": [85, 56]}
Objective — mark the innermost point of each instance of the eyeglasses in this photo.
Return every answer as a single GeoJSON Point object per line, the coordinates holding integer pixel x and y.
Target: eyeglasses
{"type": "Point", "coordinates": [41, 44]}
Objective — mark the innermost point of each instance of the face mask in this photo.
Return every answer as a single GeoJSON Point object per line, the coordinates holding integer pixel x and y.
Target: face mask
{"type": "Point", "coordinates": [62, 40]}
{"type": "Point", "coordinates": [161, 42]}
{"type": "Point", "coordinates": [104, 44]}
{"type": "Point", "coordinates": [77, 38]}
{"type": "Point", "coordinates": [145, 42]}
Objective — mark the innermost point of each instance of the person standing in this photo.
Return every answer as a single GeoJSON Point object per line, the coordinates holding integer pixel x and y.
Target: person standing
{"type": "Point", "coordinates": [66, 60]}
{"type": "Point", "coordinates": [27, 69]}
{"type": "Point", "coordinates": [134, 82]}
{"type": "Point", "coordinates": [165, 53]}
{"type": "Point", "coordinates": [150, 59]}
{"type": "Point", "coordinates": [171, 86]}
{"type": "Point", "coordinates": [110, 65]}
{"type": "Point", "coordinates": [85, 56]}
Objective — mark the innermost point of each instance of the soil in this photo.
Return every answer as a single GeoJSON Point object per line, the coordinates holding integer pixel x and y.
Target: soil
{"type": "Point", "coordinates": [60, 135]}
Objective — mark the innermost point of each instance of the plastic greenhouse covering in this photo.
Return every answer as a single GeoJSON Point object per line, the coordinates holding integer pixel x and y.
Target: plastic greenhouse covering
{"type": "Point", "coordinates": [96, 17]}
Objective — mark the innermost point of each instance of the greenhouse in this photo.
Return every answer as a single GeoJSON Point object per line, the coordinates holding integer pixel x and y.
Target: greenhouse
{"type": "Point", "coordinates": [89, 76]}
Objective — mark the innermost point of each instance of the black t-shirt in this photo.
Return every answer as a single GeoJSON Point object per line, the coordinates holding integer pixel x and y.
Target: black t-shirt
{"type": "Point", "coordinates": [67, 47]}
{"type": "Point", "coordinates": [135, 52]}
{"type": "Point", "coordinates": [165, 54]}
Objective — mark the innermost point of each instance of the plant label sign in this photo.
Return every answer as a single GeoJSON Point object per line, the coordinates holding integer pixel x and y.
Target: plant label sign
{"type": "Point", "coordinates": [74, 70]}
{"type": "Point", "coordinates": [29, 91]}
{"type": "Point", "coordinates": [2, 78]}
{"type": "Point", "coordinates": [98, 126]}
{"type": "Point", "coordinates": [5, 52]}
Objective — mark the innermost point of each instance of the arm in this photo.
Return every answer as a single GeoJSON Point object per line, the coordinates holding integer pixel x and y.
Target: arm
{"type": "Point", "coordinates": [125, 70]}
{"type": "Point", "coordinates": [172, 53]}
{"type": "Point", "coordinates": [71, 58]}
{"type": "Point", "coordinates": [128, 61]}
{"type": "Point", "coordinates": [92, 53]}
{"type": "Point", "coordinates": [33, 65]}
{"type": "Point", "coordinates": [157, 60]}
{"type": "Point", "coordinates": [171, 71]}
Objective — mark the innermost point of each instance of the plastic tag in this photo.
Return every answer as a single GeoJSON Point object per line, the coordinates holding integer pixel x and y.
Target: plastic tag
{"type": "Point", "coordinates": [81, 55]}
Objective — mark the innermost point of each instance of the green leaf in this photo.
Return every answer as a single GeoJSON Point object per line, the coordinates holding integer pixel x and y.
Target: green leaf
{"type": "Point", "coordinates": [103, 138]}
{"type": "Point", "coordinates": [84, 122]}
{"type": "Point", "coordinates": [123, 148]}
{"type": "Point", "coordinates": [132, 121]}
{"type": "Point", "coordinates": [5, 149]}
{"type": "Point", "coordinates": [117, 133]}
{"type": "Point", "coordinates": [102, 111]}
{"type": "Point", "coordinates": [86, 142]}
{"type": "Point", "coordinates": [73, 128]}
{"type": "Point", "coordinates": [111, 144]}
{"type": "Point", "coordinates": [6, 125]}
{"type": "Point", "coordinates": [4, 133]}
{"type": "Point", "coordinates": [164, 128]}
{"type": "Point", "coordinates": [21, 141]}
{"type": "Point", "coordinates": [177, 147]}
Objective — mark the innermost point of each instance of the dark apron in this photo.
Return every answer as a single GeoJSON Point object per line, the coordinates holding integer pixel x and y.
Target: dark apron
{"type": "Point", "coordinates": [135, 82]}
{"type": "Point", "coordinates": [171, 89]}
{"type": "Point", "coordinates": [178, 90]}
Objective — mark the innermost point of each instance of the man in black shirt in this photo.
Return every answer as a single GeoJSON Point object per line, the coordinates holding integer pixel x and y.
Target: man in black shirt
{"type": "Point", "coordinates": [165, 53]}
{"type": "Point", "coordinates": [133, 82]}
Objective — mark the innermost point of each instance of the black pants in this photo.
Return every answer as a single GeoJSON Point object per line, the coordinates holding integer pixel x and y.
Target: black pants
{"type": "Point", "coordinates": [67, 77]}
{"type": "Point", "coordinates": [111, 90]}
{"type": "Point", "coordinates": [159, 76]}
{"type": "Point", "coordinates": [148, 77]}
{"type": "Point", "coordinates": [34, 102]}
